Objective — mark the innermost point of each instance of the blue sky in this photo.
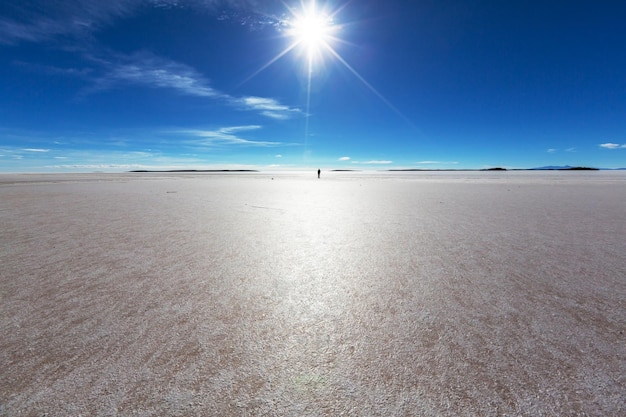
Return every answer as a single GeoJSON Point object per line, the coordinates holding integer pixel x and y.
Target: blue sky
{"type": "Point", "coordinates": [90, 85]}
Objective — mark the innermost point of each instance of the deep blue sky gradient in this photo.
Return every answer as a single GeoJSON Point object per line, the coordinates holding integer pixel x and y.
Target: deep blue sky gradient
{"type": "Point", "coordinates": [87, 85]}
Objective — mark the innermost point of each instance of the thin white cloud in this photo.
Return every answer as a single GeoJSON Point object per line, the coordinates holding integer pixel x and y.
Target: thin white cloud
{"type": "Point", "coordinates": [53, 70]}
{"type": "Point", "coordinates": [227, 136]}
{"type": "Point", "coordinates": [278, 156]}
{"type": "Point", "coordinates": [379, 162]}
{"type": "Point", "coordinates": [49, 19]}
{"type": "Point", "coordinates": [551, 150]}
{"type": "Point", "coordinates": [97, 166]}
{"type": "Point", "coordinates": [570, 150]}
{"type": "Point", "coordinates": [437, 162]}
{"type": "Point", "coordinates": [62, 20]}
{"type": "Point", "coordinates": [610, 145]}
{"type": "Point", "coordinates": [344, 158]}
{"type": "Point", "coordinates": [268, 107]}
{"type": "Point", "coordinates": [46, 21]}
{"type": "Point", "coordinates": [181, 164]}
{"type": "Point", "coordinates": [182, 81]}
{"type": "Point", "coordinates": [148, 70]}
{"type": "Point", "coordinates": [35, 150]}
{"type": "Point", "coordinates": [152, 71]}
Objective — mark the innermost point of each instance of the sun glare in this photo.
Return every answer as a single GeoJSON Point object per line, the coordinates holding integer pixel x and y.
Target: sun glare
{"type": "Point", "coordinates": [313, 35]}
{"type": "Point", "coordinates": [312, 30]}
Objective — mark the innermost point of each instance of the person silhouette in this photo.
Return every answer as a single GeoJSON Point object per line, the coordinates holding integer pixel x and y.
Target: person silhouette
{"type": "Point", "coordinates": [318, 173]}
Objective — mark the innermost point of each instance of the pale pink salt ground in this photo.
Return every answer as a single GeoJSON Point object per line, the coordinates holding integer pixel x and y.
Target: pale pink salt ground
{"type": "Point", "coordinates": [464, 294]}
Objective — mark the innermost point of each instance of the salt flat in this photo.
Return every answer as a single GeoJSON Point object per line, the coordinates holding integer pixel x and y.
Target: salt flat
{"type": "Point", "coordinates": [358, 294]}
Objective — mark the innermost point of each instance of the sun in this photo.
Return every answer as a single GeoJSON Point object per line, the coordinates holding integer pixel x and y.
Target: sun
{"type": "Point", "coordinates": [311, 30]}
{"type": "Point", "coordinates": [312, 33]}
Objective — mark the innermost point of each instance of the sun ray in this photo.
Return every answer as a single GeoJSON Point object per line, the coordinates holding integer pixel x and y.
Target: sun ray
{"type": "Point", "coordinates": [313, 35]}
{"type": "Point", "coordinates": [367, 84]}
{"type": "Point", "coordinates": [269, 63]}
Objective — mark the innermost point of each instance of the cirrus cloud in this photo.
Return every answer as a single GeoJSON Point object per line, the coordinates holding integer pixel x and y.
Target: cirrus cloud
{"type": "Point", "coordinates": [429, 162]}
{"type": "Point", "coordinates": [268, 107]}
{"type": "Point", "coordinates": [61, 23]}
{"type": "Point", "coordinates": [610, 145]}
{"type": "Point", "coordinates": [46, 21]}
{"type": "Point", "coordinates": [151, 71]}
{"type": "Point", "coordinates": [379, 162]}
{"type": "Point", "coordinates": [227, 136]}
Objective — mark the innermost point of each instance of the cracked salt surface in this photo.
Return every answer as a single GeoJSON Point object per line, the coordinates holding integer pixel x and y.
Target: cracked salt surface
{"type": "Point", "coordinates": [357, 294]}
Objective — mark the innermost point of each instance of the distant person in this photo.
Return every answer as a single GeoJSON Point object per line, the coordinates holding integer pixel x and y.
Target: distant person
{"type": "Point", "coordinates": [318, 173]}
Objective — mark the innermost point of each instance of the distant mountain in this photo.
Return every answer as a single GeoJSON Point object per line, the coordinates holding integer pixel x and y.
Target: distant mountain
{"type": "Point", "coordinates": [550, 167]}
{"type": "Point", "coordinates": [563, 168]}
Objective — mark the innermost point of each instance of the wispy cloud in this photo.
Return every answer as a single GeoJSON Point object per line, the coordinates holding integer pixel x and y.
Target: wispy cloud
{"type": "Point", "coordinates": [64, 21]}
{"type": "Point", "coordinates": [379, 162]}
{"type": "Point", "coordinates": [437, 162]}
{"type": "Point", "coordinates": [36, 150]}
{"type": "Point", "coordinates": [610, 145]}
{"type": "Point", "coordinates": [52, 19]}
{"type": "Point", "coordinates": [554, 150]}
{"type": "Point", "coordinates": [165, 165]}
{"type": "Point", "coordinates": [268, 107]}
{"type": "Point", "coordinates": [152, 71]}
{"type": "Point", "coordinates": [52, 70]}
{"type": "Point", "coordinates": [114, 167]}
{"type": "Point", "coordinates": [46, 21]}
{"type": "Point", "coordinates": [149, 70]}
{"type": "Point", "coordinates": [105, 158]}
{"type": "Point", "coordinates": [227, 136]}
{"type": "Point", "coordinates": [344, 158]}
{"type": "Point", "coordinates": [372, 162]}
